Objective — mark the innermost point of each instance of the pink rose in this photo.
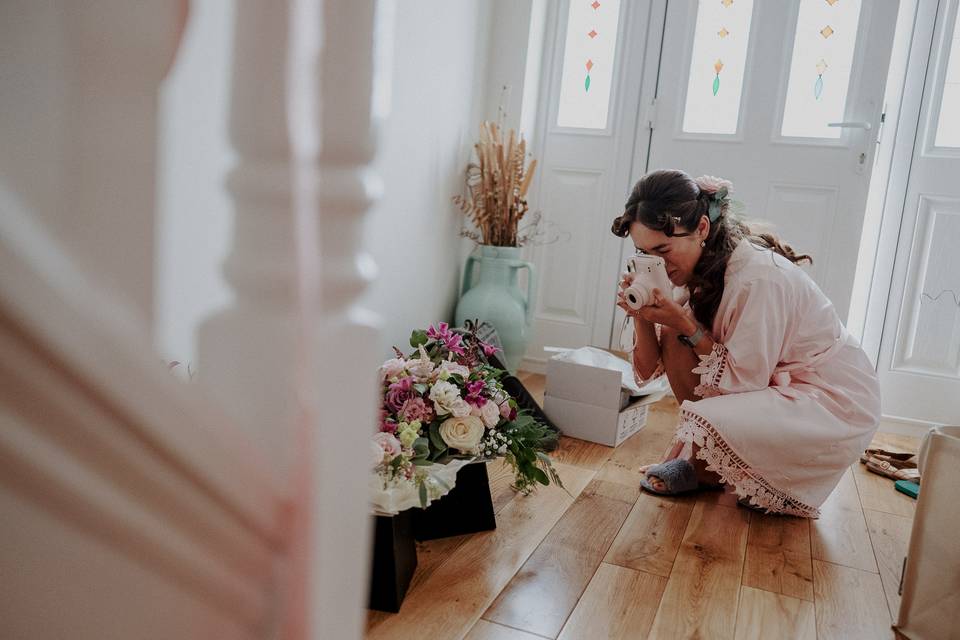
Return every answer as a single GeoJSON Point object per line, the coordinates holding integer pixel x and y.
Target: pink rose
{"type": "Point", "coordinates": [398, 393]}
{"type": "Point", "coordinates": [389, 444]}
{"type": "Point", "coordinates": [416, 408]}
{"type": "Point", "coordinates": [507, 412]}
{"type": "Point", "coordinates": [392, 368]}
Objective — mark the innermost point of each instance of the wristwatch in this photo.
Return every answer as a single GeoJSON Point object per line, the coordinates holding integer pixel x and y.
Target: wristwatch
{"type": "Point", "coordinates": [692, 341]}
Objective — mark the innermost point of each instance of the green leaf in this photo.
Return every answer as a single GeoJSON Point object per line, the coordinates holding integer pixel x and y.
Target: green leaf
{"type": "Point", "coordinates": [540, 476]}
{"type": "Point", "coordinates": [418, 338]}
{"type": "Point", "coordinates": [436, 438]}
{"type": "Point", "coordinates": [421, 462]}
{"type": "Point", "coordinates": [420, 388]}
{"type": "Point", "coordinates": [423, 495]}
{"type": "Point", "coordinates": [586, 84]}
{"type": "Point", "coordinates": [421, 448]}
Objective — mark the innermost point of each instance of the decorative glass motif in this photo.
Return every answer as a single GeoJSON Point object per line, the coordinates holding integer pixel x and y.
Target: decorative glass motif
{"type": "Point", "coordinates": [825, 40]}
{"type": "Point", "coordinates": [948, 126]}
{"type": "Point", "coordinates": [720, 40]}
{"type": "Point", "coordinates": [818, 85]}
{"type": "Point", "coordinates": [587, 72]}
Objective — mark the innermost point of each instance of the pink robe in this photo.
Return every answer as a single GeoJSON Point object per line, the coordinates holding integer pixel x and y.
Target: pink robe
{"type": "Point", "coordinates": [789, 399]}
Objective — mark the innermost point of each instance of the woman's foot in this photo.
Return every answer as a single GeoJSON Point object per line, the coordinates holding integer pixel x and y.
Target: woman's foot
{"type": "Point", "coordinates": [670, 477]}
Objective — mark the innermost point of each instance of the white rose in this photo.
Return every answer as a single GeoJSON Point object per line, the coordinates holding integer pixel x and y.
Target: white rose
{"type": "Point", "coordinates": [422, 369]}
{"type": "Point", "coordinates": [392, 368]}
{"type": "Point", "coordinates": [460, 408]}
{"type": "Point", "coordinates": [490, 412]}
{"type": "Point", "coordinates": [463, 433]}
{"type": "Point", "coordinates": [444, 396]}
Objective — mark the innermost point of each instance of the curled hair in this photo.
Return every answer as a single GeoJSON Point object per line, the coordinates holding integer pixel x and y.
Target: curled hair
{"type": "Point", "coordinates": [672, 202]}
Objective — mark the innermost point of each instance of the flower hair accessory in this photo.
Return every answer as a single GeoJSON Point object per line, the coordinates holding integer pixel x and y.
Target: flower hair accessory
{"type": "Point", "coordinates": [718, 192]}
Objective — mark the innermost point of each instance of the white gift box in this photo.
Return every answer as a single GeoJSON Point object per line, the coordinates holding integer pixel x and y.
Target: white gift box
{"type": "Point", "coordinates": [585, 396]}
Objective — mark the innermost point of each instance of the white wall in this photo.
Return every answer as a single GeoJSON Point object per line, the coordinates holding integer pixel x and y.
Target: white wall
{"type": "Point", "coordinates": [438, 102]}
{"type": "Point", "coordinates": [440, 49]}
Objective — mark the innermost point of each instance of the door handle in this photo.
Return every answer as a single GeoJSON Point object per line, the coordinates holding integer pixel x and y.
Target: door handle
{"type": "Point", "coordinates": [866, 126]}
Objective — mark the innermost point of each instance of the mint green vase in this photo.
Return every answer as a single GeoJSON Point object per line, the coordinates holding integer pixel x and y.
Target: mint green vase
{"type": "Point", "coordinates": [495, 297]}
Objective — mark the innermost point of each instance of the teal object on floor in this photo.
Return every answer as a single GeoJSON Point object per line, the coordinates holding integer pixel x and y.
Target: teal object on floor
{"type": "Point", "coordinates": [912, 489]}
{"type": "Point", "coordinates": [495, 297]}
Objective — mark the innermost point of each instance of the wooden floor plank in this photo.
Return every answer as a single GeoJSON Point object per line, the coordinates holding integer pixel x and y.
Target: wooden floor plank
{"type": "Point", "coordinates": [890, 535]}
{"type": "Point", "coordinates": [840, 534]}
{"type": "Point", "coordinates": [619, 603]}
{"type": "Point", "coordinates": [452, 599]}
{"type": "Point", "coordinates": [581, 453]}
{"type": "Point", "coordinates": [501, 477]}
{"type": "Point", "coordinates": [763, 615]}
{"type": "Point", "coordinates": [878, 493]}
{"type": "Point", "coordinates": [700, 600]}
{"type": "Point", "coordinates": [850, 604]}
{"type": "Point", "coordinates": [651, 536]}
{"type": "Point", "coordinates": [540, 598]}
{"type": "Point", "coordinates": [484, 630]}
{"type": "Point", "coordinates": [778, 556]}
{"type": "Point", "coordinates": [545, 591]}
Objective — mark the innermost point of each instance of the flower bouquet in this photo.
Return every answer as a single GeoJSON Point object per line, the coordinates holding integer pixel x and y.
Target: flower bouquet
{"type": "Point", "coordinates": [444, 406]}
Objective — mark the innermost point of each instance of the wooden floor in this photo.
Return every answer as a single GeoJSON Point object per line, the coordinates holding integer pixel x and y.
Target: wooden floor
{"type": "Point", "coordinates": [603, 560]}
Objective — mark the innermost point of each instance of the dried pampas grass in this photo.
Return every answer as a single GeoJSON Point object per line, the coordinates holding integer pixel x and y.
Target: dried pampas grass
{"type": "Point", "coordinates": [497, 185]}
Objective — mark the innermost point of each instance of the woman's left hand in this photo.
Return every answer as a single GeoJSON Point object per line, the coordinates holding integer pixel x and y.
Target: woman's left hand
{"type": "Point", "coordinates": [668, 313]}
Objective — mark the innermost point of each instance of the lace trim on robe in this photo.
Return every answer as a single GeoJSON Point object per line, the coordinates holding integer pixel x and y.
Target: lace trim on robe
{"type": "Point", "coordinates": [724, 461]}
{"type": "Point", "coordinates": [711, 369]}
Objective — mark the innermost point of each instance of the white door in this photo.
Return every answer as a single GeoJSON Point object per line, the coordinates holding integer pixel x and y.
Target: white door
{"type": "Point", "coordinates": [748, 91]}
{"type": "Point", "coordinates": [919, 363]}
{"type": "Point", "coordinates": [593, 72]}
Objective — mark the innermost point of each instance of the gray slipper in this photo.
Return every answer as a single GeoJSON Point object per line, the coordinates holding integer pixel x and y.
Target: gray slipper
{"type": "Point", "coordinates": [677, 475]}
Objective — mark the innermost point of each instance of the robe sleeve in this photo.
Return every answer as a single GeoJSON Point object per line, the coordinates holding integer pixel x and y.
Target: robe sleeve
{"type": "Point", "coordinates": [754, 329]}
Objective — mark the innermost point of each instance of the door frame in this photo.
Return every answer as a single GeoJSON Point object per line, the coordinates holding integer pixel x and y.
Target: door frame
{"type": "Point", "coordinates": [885, 266]}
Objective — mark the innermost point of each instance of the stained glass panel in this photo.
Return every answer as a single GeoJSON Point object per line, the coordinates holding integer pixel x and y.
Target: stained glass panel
{"type": "Point", "coordinates": [588, 56]}
{"type": "Point", "coordinates": [715, 83]}
{"type": "Point", "coordinates": [948, 128]}
{"type": "Point", "coordinates": [823, 47]}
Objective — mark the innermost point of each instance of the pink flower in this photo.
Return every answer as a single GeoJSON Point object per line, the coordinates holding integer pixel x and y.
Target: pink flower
{"type": "Point", "coordinates": [441, 333]}
{"type": "Point", "coordinates": [416, 409]}
{"type": "Point", "coordinates": [392, 368]}
{"type": "Point", "coordinates": [488, 349]}
{"type": "Point", "coordinates": [389, 444]}
{"type": "Point", "coordinates": [398, 393]}
{"type": "Point", "coordinates": [713, 184]}
{"type": "Point", "coordinates": [454, 344]}
{"type": "Point", "coordinates": [508, 412]}
{"type": "Point", "coordinates": [386, 423]}
{"type": "Point", "coordinates": [474, 391]}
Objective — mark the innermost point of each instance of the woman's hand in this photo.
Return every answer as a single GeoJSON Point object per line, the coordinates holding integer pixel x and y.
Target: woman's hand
{"type": "Point", "coordinates": [668, 313]}
{"type": "Point", "coordinates": [625, 282]}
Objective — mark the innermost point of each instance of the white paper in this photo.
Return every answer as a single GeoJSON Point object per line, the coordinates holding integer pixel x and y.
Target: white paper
{"type": "Point", "coordinates": [593, 357]}
{"type": "Point", "coordinates": [400, 495]}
